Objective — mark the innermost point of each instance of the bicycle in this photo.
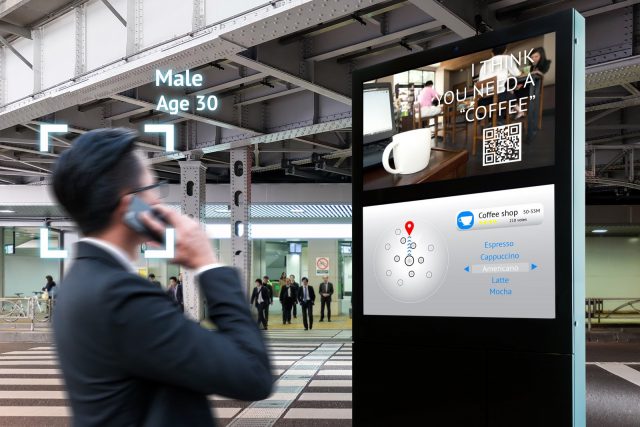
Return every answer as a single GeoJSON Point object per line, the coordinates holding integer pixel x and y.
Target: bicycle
{"type": "Point", "coordinates": [41, 307]}
{"type": "Point", "coordinates": [14, 310]}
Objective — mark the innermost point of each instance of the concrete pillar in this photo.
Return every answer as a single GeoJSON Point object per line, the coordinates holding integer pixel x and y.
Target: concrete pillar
{"type": "Point", "coordinates": [193, 185]}
{"type": "Point", "coordinates": [240, 204]}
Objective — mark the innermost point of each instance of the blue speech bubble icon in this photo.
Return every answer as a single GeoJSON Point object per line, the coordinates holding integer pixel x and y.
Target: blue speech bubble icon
{"type": "Point", "coordinates": [465, 220]}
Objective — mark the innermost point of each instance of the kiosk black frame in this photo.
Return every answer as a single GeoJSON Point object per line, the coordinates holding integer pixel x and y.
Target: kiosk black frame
{"type": "Point", "coordinates": [482, 371]}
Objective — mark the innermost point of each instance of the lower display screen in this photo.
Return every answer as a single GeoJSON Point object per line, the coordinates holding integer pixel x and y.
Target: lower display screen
{"type": "Point", "coordinates": [477, 255]}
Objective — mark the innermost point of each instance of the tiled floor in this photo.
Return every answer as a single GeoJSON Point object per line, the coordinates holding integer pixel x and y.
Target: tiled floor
{"type": "Point", "coordinates": [312, 386]}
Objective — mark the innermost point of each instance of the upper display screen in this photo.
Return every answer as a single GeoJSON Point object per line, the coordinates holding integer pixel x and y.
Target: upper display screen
{"type": "Point", "coordinates": [482, 113]}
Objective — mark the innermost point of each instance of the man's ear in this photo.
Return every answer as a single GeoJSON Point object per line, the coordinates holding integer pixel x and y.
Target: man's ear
{"type": "Point", "coordinates": [123, 206]}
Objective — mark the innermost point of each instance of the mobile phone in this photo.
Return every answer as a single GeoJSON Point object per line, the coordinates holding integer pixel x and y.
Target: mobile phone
{"type": "Point", "coordinates": [132, 219]}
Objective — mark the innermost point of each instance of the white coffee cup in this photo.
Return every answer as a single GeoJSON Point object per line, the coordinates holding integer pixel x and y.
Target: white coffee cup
{"type": "Point", "coordinates": [411, 151]}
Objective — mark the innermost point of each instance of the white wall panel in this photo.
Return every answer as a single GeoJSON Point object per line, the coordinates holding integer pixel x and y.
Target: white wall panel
{"type": "Point", "coordinates": [106, 36]}
{"type": "Point", "coordinates": [219, 10]}
{"type": "Point", "coordinates": [59, 50]}
{"type": "Point", "coordinates": [18, 75]}
{"type": "Point", "coordinates": [165, 19]}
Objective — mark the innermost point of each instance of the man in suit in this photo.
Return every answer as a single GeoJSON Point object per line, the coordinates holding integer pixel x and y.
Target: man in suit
{"type": "Point", "coordinates": [260, 297]}
{"type": "Point", "coordinates": [287, 298]}
{"type": "Point", "coordinates": [265, 282]}
{"type": "Point", "coordinates": [307, 298]}
{"type": "Point", "coordinates": [128, 356]}
{"type": "Point", "coordinates": [296, 286]}
{"type": "Point", "coordinates": [326, 290]}
{"type": "Point", "coordinates": [152, 279]}
{"type": "Point", "coordinates": [175, 292]}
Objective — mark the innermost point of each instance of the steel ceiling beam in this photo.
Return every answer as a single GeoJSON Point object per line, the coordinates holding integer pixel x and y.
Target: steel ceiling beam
{"type": "Point", "coordinates": [629, 101]}
{"type": "Point", "coordinates": [270, 96]}
{"type": "Point", "coordinates": [446, 17]}
{"type": "Point", "coordinates": [15, 52]}
{"type": "Point", "coordinates": [344, 50]}
{"type": "Point", "coordinates": [229, 85]}
{"type": "Point", "coordinates": [26, 150]}
{"type": "Point", "coordinates": [343, 21]}
{"type": "Point", "coordinates": [262, 139]}
{"type": "Point", "coordinates": [11, 159]}
{"type": "Point", "coordinates": [189, 116]}
{"type": "Point", "coordinates": [608, 8]}
{"type": "Point", "coordinates": [74, 129]}
{"type": "Point", "coordinates": [115, 12]}
{"type": "Point", "coordinates": [613, 73]}
{"type": "Point", "coordinates": [15, 29]}
{"type": "Point", "coordinates": [600, 115]}
{"type": "Point", "coordinates": [290, 78]}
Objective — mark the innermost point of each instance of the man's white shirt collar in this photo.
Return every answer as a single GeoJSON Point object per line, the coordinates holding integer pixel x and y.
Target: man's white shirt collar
{"type": "Point", "coordinates": [115, 251]}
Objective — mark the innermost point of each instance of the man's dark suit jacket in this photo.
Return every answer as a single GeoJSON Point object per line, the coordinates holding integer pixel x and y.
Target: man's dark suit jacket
{"type": "Point", "coordinates": [326, 289]}
{"type": "Point", "coordinates": [265, 295]}
{"type": "Point", "coordinates": [312, 295]}
{"type": "Point", "coordinates": [130, 358]}
{"type": "Point", "coordinates": [284, 295]}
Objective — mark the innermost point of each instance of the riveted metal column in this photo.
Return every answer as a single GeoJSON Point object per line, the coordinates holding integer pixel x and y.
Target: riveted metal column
{"type": "Point", "coordinates": [199, 14]}
{"type": "Point", "coordinates": [134, 26]}
{"type": "Point", "coordinates": [36, 35]}
{"type": "Point", "coordinates": [240, 203]}
{"type": "Point", "coordinates": [81, 39]}
{"type": "Point", "coordinates": [193, 185]}
{"type": "Point", "coordinates": [3, 80]}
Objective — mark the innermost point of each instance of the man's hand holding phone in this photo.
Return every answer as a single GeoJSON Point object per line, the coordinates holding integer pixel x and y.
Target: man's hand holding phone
{"type": "Point", "coordinates": [192, 246]}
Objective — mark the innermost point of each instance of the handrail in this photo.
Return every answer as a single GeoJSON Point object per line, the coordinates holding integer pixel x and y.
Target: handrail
{"type": "Point", "coordinates": [30, 308]}
{"type": "Point", "coordinates": [595, 308]}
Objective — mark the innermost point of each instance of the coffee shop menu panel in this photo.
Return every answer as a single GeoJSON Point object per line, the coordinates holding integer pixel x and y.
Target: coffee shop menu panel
{"type": "Point", "coordinates": [478, 255]}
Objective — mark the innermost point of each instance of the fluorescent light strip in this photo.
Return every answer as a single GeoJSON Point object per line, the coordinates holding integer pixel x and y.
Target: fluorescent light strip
{"type": "Point", "coordinates": [285, 231]}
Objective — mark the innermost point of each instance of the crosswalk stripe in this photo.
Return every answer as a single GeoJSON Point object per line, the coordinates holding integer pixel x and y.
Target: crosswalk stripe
{"type": "Point", "coordinates": [32, 394]}
{"type": "Point", "coordinates": [9, 371]}
{"type": "Point", "coordinates": [342, 397]}
{"type": "Point", "coordinates": [338, 363]}
{"type": "Point", "coordinates": [330, 383]}
{"type": "Point", "coordinates": [28, 362]}
{"type": "Point", "coordinates": [31, 381]}
{"type": "Point", "coordinates": [35, 411]}
{"type": "Point", "coordinates": [334, 372]}
{"type": "Point", "coordinates": [291, 383]}
{"type": "Point", "coordinates": [28, 357]}
{"type": "Point", "coordinates": [26, 353]}
{"type": "Point", "coordinates": [625, 372]}
{"type": "Point", "coordinates": [225, 412]}
{"type": "Point", "coordinates": [319, 413]}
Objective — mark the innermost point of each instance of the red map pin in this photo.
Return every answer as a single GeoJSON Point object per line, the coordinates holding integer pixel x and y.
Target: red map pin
{"type": "Point", "coordinates": [409, 227]}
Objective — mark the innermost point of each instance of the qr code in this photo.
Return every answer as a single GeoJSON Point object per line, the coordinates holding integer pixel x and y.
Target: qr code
{"type": "Point", "coordinates": [502, 144]}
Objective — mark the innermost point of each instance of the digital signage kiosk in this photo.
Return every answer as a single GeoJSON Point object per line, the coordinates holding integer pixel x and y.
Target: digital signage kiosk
{"type": "Point", "coordinates": [468, 193]}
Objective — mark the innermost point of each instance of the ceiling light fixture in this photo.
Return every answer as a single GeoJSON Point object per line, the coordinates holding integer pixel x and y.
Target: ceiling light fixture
{"type": "Point", "coordinates": [599, 231]}
{"type": "Point", "coordinates": [7, 211]}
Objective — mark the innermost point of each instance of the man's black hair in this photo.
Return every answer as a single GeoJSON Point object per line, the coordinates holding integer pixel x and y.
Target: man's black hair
{"type": "Point", "coordinates": [429, 83]}
{"type": "Point", "coordinates": [152, 276]}
{"type": "Point", "coordinates": [90, 177]}
{"type": "Point", "coordinates": [258, 281]}
{"type": "Point", "coordinates": [303, 279]}
{"type": "Point", "coordinates": [499, 50]}
{"type": "Point", "coordinates": [174, 278]}
{"type": "Point", "coordinates": [265, 277]}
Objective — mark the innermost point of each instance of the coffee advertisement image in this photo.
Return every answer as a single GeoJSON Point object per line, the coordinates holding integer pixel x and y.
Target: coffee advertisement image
{"type": "Point", "coordinates": [482, 113]}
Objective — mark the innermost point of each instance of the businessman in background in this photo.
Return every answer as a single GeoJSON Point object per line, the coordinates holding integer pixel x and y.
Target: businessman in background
{"type": "Point", "coordinates": [128, 355]}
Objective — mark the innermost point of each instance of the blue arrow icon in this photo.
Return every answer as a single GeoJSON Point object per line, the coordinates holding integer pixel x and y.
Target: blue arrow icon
{"type": "Point", "coordinates": [467, 269]}
{"type": "Point", "coordinates": [533, 266]}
